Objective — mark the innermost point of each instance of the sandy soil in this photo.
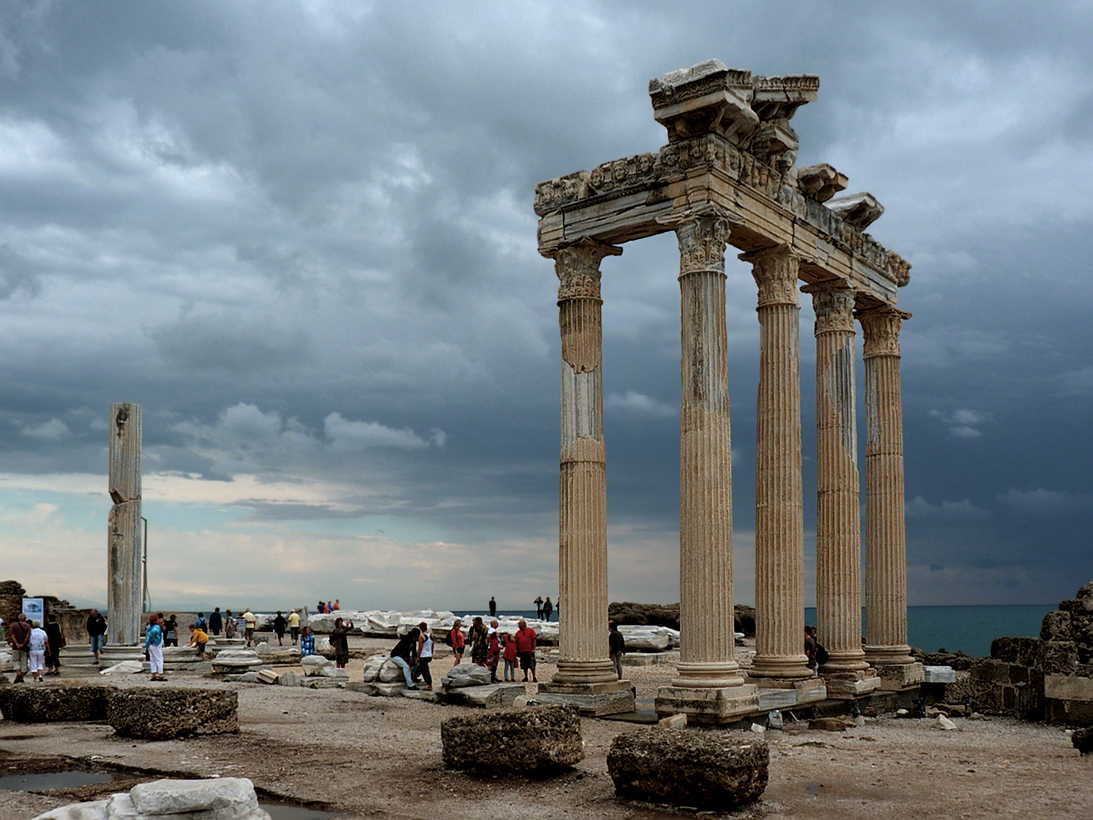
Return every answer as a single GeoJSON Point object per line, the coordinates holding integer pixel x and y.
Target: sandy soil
{"type": "Point", "coordinates": [381, 758]}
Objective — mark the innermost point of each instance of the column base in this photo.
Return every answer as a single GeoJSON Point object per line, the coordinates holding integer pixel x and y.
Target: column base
{"type": "Point", "coordinates": [707, 675]}
{"type": "Point", "coordinates": [779, 668]}
{"type": "Point", "coordinates": [896, 677]}
{"type": "Point", "coordinates": [112, 654]}
{"type": "Point", "coordinates": [79, 655]}
{"type": "Point", "coordinates": [707, 704]}
{"type": "Point", "coordinates": [850, 685]}
{"type": "Point", "coordinates": [593, 699]}
{"type": "Point", "coordinates": [579, 673]}
{"type": "Point", "coordinates": [888, 655]}
{"type": "Point", "coordinates": [789, 692]}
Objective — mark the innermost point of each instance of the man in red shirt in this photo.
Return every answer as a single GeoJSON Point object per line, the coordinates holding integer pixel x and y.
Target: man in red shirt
{"type": "Point", "coordinates": [525, 649]}
{"type": "Point", "coordinates": [19, 636]}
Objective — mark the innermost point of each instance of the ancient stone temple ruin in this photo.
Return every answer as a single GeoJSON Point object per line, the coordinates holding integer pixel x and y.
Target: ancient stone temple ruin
{"type": "Point", "coordinates": [727, 177]}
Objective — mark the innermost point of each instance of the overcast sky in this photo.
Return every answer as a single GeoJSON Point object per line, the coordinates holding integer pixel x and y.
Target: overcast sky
{"type": "Point", "coordinates": [300, 236]}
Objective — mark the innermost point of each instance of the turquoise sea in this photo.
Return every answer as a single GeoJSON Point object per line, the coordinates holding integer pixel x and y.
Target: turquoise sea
{"type": "Point", "coordinates": [968, 629]}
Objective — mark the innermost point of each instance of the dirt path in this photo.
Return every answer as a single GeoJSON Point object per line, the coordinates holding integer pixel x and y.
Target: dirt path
{"type": "Point", "coordinates": [381, 758]}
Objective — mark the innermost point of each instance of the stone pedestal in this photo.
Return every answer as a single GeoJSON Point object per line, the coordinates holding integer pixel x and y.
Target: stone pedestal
{"type": "Point", "coordinates": [712, 705]}
{"type": "Point", "coordinates": [112, 654]}
{"type": "Point", "coordinates": [79, 656]}
{"type": "Point", "coordinates": [850, 685]}
{"type": "Point", "coordinates": [594, 699]}
{"type": "Point", "coordinates": [896, 677]}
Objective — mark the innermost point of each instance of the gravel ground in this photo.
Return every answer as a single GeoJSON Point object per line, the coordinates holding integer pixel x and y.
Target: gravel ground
{"type": "Point", "coordinates": [381, 758]}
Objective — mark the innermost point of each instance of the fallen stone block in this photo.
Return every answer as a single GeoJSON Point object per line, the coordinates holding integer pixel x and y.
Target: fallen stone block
{"type": "Point", "coordinates": [830, 724]}
{"type": "Point", "coordinates": [673, 722]}
{"type": "Point", "coordinates": [492, 696]}
{"type": "Point", "coordinates": [315, 664]}
{"type": "Point", "coordinates": [163, 714]}
{"type": "Point", "coordinates": [466, 674]}
{"type": "Point", "coordinates": [226, 798]}
{"type": "Point", "coordinates": [267, 676]}
{"type": "Point", "coordinates": [709, 771]}
{"type": "Point", "coordinates": [372, 667]}
{"type": "Point", "coordinates": [123, 668]}
{"type": "Point", "coordinates": [53, 704]}
{"type": "Point", "coordinates": [289, 679]}
{"type": "Point", "coordinates": [939, 674]}
{"type": "Point", "coordinates": [521, 741]}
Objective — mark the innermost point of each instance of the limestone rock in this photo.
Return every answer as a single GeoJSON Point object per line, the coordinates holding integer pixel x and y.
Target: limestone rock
{"type": "Point", "coordinates": [27, 704]}
{"type": "Point", "coordinates": [522, 741]}
{"type": "Point", "coordinates": [315, 664]}
{"type": "Point", "coordinates": [830, 724]}
{"type": "Point", "coordinates": [163, 714]}
{"type": "Point", "coordinates": [390, 672]}
{"type": "Point", "coordinates": [262, 648]}
{"type": "Point", "coordinates": [1083, 740]}
{"type": "Point", "coordinates": [493, 696]}
{"type": "Point", "coordinates": [673, 722]}
{"type": "Point", "coordinates": [6, 664]}
{"type": "Point", "coordinates": [466, 674]}
{"type": "Point", "coordinates": [860, 210]}
{"type": "Point", "coordinates": [333, 672]}
{"type": "Point", "coordinates": [181, 796]}
{"type": "Point", "coordinates": [372, 667]}
{"type": "Point", "coordinates": [1056, 627]}
{"type": "Point", "coordinates": [646, 638]}
{"type": "Point", "coordinates": [267, 676]}
{"type": "Point", "coordinates": [944, 723]}
{"type": "Point", "coordinates": [123, 668]}
{"type": "Point", "coordinates": [707, 770]}
{"type": "Point", "coordinates": [289, 679]}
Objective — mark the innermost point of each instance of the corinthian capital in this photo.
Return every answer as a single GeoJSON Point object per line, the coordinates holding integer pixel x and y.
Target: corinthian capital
{"type": "Point", "coordinates": [703, 234]}
{"type": "Point", "coordinates": [834, 307]}
{"type": "Point", "coordinates": [775, 272]}
{"type": "Point", "coordinates": [880, 330]}
{"type": "Point", "coordinates": [578, 269]}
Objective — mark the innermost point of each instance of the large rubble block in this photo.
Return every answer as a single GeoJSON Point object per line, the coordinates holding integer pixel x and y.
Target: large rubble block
{"type": "Point", "coordinates": [710, 771]}
{"type": "Point", "coordinates": [163, 714]}
{"type": "Point", "coordinates": [523, 741]}
{"type": "Point", "coordinates": [54, 704]}
{"type": "Point", "coordinates": [223, 798]}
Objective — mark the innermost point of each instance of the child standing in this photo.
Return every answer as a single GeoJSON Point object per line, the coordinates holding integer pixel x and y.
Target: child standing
{"type": "Point", "coordinates": [509, 656]}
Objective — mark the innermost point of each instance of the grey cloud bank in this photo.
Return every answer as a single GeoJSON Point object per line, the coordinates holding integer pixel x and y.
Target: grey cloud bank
{"type": "Point", "coordinates": [301, 237]}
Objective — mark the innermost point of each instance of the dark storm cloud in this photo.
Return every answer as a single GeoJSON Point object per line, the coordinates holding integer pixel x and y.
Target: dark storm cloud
{"type": "Point", "coordinates": [301, 237]}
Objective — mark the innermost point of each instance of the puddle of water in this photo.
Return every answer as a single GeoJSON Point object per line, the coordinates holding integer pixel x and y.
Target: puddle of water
{"type": "Point", "coordinates": [52, 780]}
{"type": "Point", "coordinates": [279, 811]}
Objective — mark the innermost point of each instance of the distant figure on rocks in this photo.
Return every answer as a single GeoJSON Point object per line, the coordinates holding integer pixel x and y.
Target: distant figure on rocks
{"type": "Point", "coordinates": [539, 608]}
{"type": "Point", "coordinates": [170, 631]}
{"type": "Point", "coordinates": [294, 626]}
{"type": "Point", "coordinates": [337, 605]}
{"type": "Point", "coordinates": [249, 622]}
{"type": "Point", "coordinates": [229, 625]}
{"type": "Point", "coordinates": [198, 638]}
{"type": "Point", "coordinates": [39, 646]}
{"type": "Point", "coordinates": [508, 644]}
{"type": "Point", "coordinates": [321, 608]}
{"type": "Point", "coordinates": [424, 657]}
{"type": "Point", "coordinates": [478, 639]}
{"type": "Point", "coordinates": [153, 645]}
{"type": "Point", "coordinates": [456, 641]}
{"type": "Point", "coordinates": [493, 650]}
{"type": "Point", "coordinates": [216, 623]}
{"type": "Point", "coordinates": [279, 626]}
{"type": "Point", "coordinates": [56, 641]}
{"type": "Point", "coordinates": [548, 608]}
{"type": "Point", "coordinates": [329, 607]}
{"type": "Point", "coordinates": [307, 642]}
{"type": "Point", "coordinates": [339, 642]}
{"type": "Point", "coordinates": [405, 654]}
{"type": "Point", "coordinates": [617, 644]}
{"type": "Point", "coordinates": [96, 632]}
{"type": "Point", "coordinates": [19, 638]}
{"type": "Point", "coordinates": [493, 607]}
{"type": "Point", "coordinates": [525, 648]}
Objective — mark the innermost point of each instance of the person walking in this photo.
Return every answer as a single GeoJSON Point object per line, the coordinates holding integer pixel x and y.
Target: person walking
{"type": "Point", "coordinates": [56, 643]}
{"type": "Point", "coordinates": [478, 639]}
{"type": "Point", "coordinates": [96, 632]}
{"type": "Point", "coordinates": [339, 642]}
{"type": "Point", "coordinates": [617, 644]}
{"type": "Point", "coordinates": [548, 608]}
{"type": "Point", "coordinates": [539, 608]}
{"type": "Point", "coordinates": [153, 645]}
{"type": "Point", "coordinates": [456, 641]}
{"type": "Point", "coordinates": [508, 644]}
{"type": "Point", "coordinates": [229, 625]}
{"type": "Point", "coordinates": [493, 607]}
{"type": "Point", "coordinates": [424, 657]}
{"type": "Point", "coordinates": [19, 638]}
{"type": "Point", "coordinates": [525, 649]}
{"type": "Point", "coordinates": [249, 622]}
{"type": "Point", "coordinates": [216, 623]}
{"type": "Point", "coordinates": [294, 626]}
{"type": "Point", "coordinates": [279, 626]}
{"type": "Point", "coordinates": [170, 635]}
{"type": "Point", "coordinates": [404, 655]}
{"type": "Point", "coordinates": [307, 642]}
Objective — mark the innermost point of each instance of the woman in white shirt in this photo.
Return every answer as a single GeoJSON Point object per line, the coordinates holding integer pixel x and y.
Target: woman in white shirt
{"type": "Point", "coordinates": [424, 656]}
{"type": "Point", "coordinates": [39, 641]}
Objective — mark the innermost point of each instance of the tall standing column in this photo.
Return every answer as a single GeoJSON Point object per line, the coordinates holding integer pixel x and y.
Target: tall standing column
{"type": "Point", "coordinates": [885, 533]}
{"type": "Point", "coordinates": [838, 511]}
{"type": "Point", "coordinates": [779, 525]}
{"type": "Point", "coordinates": [582, 559]}
{"type": "Point", "coordinates": [124, 592]}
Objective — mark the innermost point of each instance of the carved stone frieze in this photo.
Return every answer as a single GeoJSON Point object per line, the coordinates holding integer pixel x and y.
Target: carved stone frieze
{"type": "Point", "coordinates": [578, 269]}
{"type": "Point", "coordinates": [775, 272]}
{"type": "Point", "coordinates": [834, 307]}
{"type": "Point", "coordinates": [899, 269]}
{"type": "Point", "coordinates": [880, 330]}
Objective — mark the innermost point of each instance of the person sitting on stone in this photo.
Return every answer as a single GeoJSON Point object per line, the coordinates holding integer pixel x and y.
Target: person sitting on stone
{"type": "Point", "coordinates": [198, 638]}
{"type": "Point", "coordinates": [307, 642]}
{"type": "Point", "coordinates": [405, 655]}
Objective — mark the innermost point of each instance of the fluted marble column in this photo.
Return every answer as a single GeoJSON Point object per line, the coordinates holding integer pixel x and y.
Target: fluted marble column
{"type": "Point", "coordinates": [582, 547]}
{"type": "Point", "coordinates": [779, 526]}
{"type": "Point", "coordinates": [124, 587]}
{"type": "Point", "coordinates": [705, 469]}
{"type": "Point", "coordinates": [885, 533]}
{"type": "Point", "coordinates": [838, 510]}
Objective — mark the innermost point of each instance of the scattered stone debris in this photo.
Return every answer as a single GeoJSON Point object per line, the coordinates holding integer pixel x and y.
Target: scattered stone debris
{"type": "Point", "coordinates": [709, 771]}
